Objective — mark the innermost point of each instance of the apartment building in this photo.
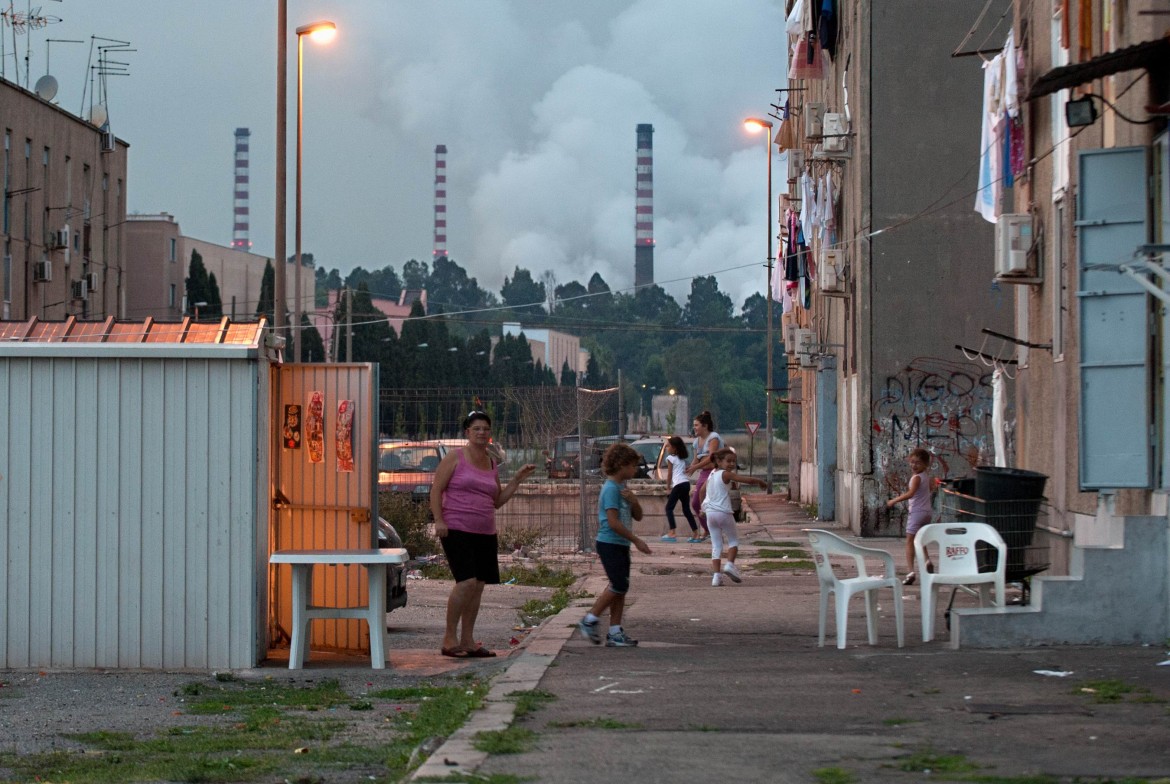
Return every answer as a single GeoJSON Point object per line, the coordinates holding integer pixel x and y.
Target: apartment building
{"type": "Point", "coordinates": [62, 221]}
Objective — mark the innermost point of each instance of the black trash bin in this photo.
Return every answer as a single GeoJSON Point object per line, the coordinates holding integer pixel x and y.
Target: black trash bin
{"type": "Point", "coordinates": [1012, 497]}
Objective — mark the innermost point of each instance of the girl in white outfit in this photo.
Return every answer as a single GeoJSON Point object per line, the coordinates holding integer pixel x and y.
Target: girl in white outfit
{"type": "Point", "coordinates": [716, 502]}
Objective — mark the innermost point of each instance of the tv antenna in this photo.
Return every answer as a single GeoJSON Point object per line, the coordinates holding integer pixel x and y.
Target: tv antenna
{"type": "Point", "coordinates": [97, 89]}
{"type": "Point", "coordinates": [21, 22]}
{"type": "Point", "coordinates": [46, 86]}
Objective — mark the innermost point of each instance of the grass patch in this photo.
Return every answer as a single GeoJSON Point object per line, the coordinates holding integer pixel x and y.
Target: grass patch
{"type": "Point", "coordinates": [787, 553]}
{"type": "Point", "coordinates": [897, 722]}
{"type": "Point", "coordinates": [436, 571]}
{"type": "Point", "coordinates": [600, 723]}
{"type": "Point", "coordinates": [1111, 691]}
{"type": "Point", "coordinates": [762, 543]}
{"type": "Point", "coordinates": [543, 575]}
{"type": "Point", "coordinates": [833, 776]}
{"type": "Point", "coordinates": [923, 761]}
{"type": "Point", "coordinates": [781, 566]}
{"type": "Point", "coordinates": [530, 701]}
{"type": "Point", "coordinates": [514, 740]}
{"type": "Point", "coordinates": [261, 731]}
{"type": "Point", "coordinates": [534, 611]}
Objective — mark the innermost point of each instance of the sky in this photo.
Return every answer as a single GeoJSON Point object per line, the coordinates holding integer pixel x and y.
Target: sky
{"type": "Point", "coordinates": [536, 100]}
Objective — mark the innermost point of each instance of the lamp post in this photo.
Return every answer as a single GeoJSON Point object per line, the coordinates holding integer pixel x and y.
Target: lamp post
{"type": "Point", "coordinates": [280, 289]}
{"type": "Point", "coordinates": [754, 125]}
{"type": "Point", "coordinates": [321, 32]}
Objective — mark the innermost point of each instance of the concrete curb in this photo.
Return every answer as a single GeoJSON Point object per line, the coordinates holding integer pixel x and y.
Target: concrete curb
{"type": "Point", "coordinates": [458, 753]}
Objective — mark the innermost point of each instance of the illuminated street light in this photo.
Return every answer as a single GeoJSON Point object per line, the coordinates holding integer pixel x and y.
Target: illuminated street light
{"type": "Point", "coordinates": [321, 32]}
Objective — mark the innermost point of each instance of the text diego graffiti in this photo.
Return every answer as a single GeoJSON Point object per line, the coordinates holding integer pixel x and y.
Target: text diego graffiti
{"type": "Point", "coordinates": [957, 550]}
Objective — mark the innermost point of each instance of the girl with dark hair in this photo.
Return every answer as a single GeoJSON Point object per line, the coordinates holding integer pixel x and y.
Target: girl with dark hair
{"type": "Point", "coordinates": [707, 443]}
{"type": "Point", "coordinates": [680, 488]}
{"type": "Point", "coordinates": [464, 500]}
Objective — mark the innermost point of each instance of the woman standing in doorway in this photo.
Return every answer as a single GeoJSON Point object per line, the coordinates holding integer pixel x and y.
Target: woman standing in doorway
{"type": "Point", "coordinates": [464, 499]}
{"type": "Point", "coordinates": [707, 443]}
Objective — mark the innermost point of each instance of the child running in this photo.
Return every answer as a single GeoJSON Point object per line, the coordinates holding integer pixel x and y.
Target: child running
{"type": "Point", "coordinates": [720, 517]}
{"type": "Point", "coordinates": [617, 508]}
{"type": "Point", "coordinates": [680, 488]}
{"type": "Point", "coordinates": [918, 494]}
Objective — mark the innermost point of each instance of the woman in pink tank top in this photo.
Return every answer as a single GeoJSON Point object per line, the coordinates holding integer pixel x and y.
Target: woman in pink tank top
{"type": "Point", "coordinates": [464, 499]}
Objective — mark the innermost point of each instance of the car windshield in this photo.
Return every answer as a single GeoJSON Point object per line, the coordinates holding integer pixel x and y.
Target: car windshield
{"type": "Point", "coordinates": [649, 452]}
{"type": "Point", "coordinates": [404, 459]}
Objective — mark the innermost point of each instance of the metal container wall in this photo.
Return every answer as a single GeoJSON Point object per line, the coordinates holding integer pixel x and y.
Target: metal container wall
{"type": "Point", "coordinates": [132, 506]}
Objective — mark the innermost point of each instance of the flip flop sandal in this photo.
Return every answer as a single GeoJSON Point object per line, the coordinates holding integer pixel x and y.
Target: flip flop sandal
{"type": "Point", "coordinates": [455, 653]}
{"type": "Point", "coordinates": [481, 653]}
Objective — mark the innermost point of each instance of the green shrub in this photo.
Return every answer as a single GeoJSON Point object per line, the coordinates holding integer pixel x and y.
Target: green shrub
{"type": "Point", "coordinates": [412, 521]}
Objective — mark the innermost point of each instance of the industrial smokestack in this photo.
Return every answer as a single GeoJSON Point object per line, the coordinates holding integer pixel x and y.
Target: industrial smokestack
{"type": "Point", "coordinates": [644, 208]}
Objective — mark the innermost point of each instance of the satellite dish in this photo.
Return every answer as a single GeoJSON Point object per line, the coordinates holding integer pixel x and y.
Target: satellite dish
{"type": "Point", "coordinates": [98, 115]}
{"type": "Point", "coordinates": [46, 87]}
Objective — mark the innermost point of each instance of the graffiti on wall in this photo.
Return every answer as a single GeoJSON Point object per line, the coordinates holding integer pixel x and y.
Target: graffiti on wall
{"type": "Point", "coordinates": [942, 406]}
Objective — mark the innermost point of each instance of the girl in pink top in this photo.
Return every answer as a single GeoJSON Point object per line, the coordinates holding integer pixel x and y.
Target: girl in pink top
{"type": "Point", "coordinates": [921, 511]}
{"type": "Point", "coordinates": [464, 499]}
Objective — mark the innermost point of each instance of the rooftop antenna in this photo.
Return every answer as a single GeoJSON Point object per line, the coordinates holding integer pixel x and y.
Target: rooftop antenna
{"type": "Point", "coordinates": [21, 22]}
{"type": "Point", "coordinates": [99, 93]}
{"type": "Point", "coordinates": [46, 86]}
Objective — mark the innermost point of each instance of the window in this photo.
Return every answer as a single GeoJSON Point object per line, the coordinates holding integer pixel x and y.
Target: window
{"type": "Point", "coordinates": [171, 296]}
{"type": "Point", "coordinates": [1058, 129]}
{"type": "Point", "coordinates": [174, 247]}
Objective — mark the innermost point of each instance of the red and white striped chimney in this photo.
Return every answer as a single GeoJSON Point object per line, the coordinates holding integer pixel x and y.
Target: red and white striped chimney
{"type": "Point", "coordinates": [644, 208]}
{"type": "Point", "coordinates": [440, 201]}
{"type": "Point", "coordinates": [240, 199]}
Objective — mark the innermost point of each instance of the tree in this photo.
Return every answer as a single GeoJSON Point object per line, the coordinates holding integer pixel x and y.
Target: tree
{"type": "Point", "coordinates": [266, 305]}
{"type": "Point", "coordinates": [312, 346]}
{"type": "Point", "coordinates": [568, 377]}
{"type": "Point", "coordinates": [707, 306]}
{"type": "Point", "coordinates": [415, 274]}
{"type": "Point", "coordinates": [202, 288]}
{"type": "Point", "coordinates": [523, 294]}
{"type": "Point", "coordinates": [370, 327]}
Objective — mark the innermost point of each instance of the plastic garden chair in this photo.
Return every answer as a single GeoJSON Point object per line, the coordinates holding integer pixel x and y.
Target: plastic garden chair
{"type": "Point", "coordinates": [825, 544]}
{"type": "Point", "coordinates": [957, 563]}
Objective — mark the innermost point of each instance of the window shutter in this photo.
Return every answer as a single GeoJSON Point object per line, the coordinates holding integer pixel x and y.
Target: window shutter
{"type": "Point", "coordinates": [1115, 419]}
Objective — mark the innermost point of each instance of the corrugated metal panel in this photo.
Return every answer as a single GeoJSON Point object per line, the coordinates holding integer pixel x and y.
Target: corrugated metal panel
{"type": "Point", "coordinates": [130, 491]}
{"type": "Point", "coordinates": [320, 495]}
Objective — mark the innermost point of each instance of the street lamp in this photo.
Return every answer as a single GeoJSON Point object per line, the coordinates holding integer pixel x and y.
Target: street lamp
{"type": "Point", "coordinates": [321, 31]}
{"type": "Point", "coordinates": [755, 125]}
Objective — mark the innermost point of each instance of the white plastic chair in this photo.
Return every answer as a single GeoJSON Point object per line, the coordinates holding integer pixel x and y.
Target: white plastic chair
{"type": "Point", "coordinates": [957, 563]}
{"type": "Point", "coordinates": [825, 544]}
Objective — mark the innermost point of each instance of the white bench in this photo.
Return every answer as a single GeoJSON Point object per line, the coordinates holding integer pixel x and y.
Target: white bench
{"type": "Point", "coordinates": [302, 562]}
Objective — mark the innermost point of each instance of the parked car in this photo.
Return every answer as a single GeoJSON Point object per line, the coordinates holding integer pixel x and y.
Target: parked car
{"type": "Point", "coordinates": [653, 452]}
{"type": "Point", "coordinates": [564, 462]}
{"type": "Point", "coordinates": [396, 573]}
{"type": "Point", "coordinates": [409, 467]}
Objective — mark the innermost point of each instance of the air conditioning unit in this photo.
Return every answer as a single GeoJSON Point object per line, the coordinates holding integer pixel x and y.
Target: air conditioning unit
{"type": "Point", "coordinates": [90, 279]}
{"type": "Point", "coordinates": [42, 271]}
{"type": "Point", "coordinates": [80, 289]}
{"type": "Point", "coordinates": [830, 273]}
{"type": "Point", "coordinates": [56, 239]}
{"type": "Point", "coordinates": [108, 143]}
{"type": "Point", "coordinates": [806, 348]}
{"type": "Point", "coordinates": [1013, 239]}
{"type": "Point", "coordinates": [834, 132]}
{"type": "Point", "coordinates": [813, 120]}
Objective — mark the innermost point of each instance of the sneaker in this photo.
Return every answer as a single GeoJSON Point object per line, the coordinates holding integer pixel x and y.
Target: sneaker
{"type": "Point", "coordinates": [589, 631]}
{"type": "Point", "coordinates": [619, 640]}
{"type": "Point", "coordinates": [731, 571]}
{"type": "Point", "coordinates": [694, 540]}
{"type": "Point", "coordinates": [716, 580]}
{"type": "Point", "coordinates": [668, 538]}
{"type": "Point", "coordinates": [910, 579]}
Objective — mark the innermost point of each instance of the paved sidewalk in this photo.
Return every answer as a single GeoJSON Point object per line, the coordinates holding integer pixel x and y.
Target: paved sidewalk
{"type": "Point", "coordinates": [728, 684]}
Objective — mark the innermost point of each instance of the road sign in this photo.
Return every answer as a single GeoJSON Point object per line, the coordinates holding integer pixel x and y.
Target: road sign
{"type": "Point", "coordinates": [752, 427]}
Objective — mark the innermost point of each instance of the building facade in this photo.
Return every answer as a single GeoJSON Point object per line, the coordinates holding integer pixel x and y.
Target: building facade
{"type": "Point", "coordinates": [62, 232]}
{"type": "Point", "coordinates": [884, 269]}
{"type": "Point", "coordinates": [158, 260]}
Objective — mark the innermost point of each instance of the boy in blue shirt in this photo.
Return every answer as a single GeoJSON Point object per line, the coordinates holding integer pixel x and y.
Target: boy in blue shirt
{"type": "Point", "coordinates": [617, 508]}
